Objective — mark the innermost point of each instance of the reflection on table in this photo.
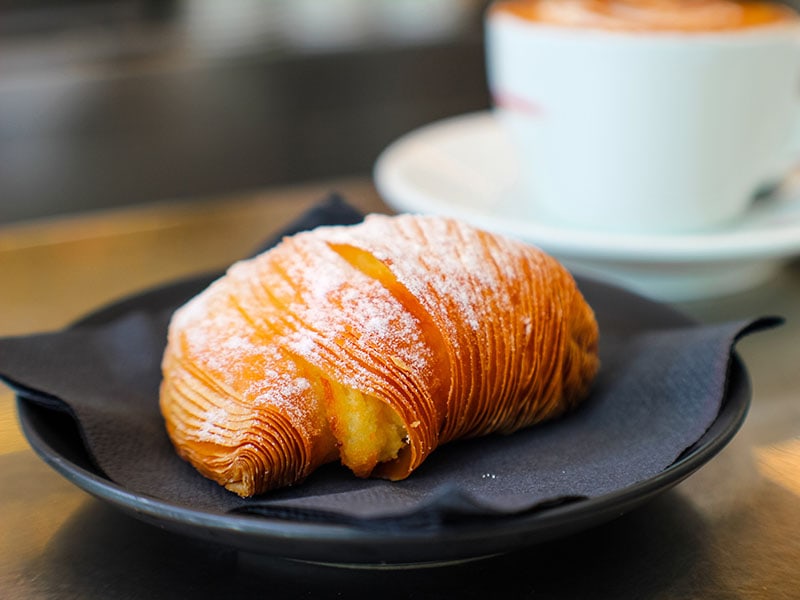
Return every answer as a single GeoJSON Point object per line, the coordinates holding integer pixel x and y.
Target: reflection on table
{"type": "Point", "coordinates": [118, 103]}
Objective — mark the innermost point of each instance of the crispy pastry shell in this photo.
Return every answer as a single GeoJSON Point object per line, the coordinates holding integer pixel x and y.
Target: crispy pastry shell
{"type": "Point", "coordinates": [372, 344]}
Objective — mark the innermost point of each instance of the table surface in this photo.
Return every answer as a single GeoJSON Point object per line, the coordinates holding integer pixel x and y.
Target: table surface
{"type": "Point", "coordinates": [731, 530]}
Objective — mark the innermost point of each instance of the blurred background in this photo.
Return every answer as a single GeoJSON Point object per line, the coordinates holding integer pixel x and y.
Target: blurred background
{"type": "Point", "coordinates": [108, 103]}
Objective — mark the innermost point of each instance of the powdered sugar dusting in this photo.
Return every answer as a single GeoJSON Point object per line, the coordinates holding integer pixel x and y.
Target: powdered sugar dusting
{"type": "Point", "coordinates": [246, 370]}
{"type": "Point", "coordinates": [214, 428]}
{"type": "Point", "coordinates": [439, 260]}
{"type": "Point", "coordinates": [301, 300]}
{"type": "Point", "coordinates": [341, 310]}
{"type": "Point", "coordinates": [475, 286]}
{"type": "Point", "coordinates": [287, 392]}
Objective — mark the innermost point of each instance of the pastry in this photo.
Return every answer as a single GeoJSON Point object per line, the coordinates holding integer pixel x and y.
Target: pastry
{"type": "Point", "coordinates": [371, 344]}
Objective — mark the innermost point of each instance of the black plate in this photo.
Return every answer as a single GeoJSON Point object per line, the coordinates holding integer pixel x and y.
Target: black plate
{"type": "Point", "coordinates": [55, 438]}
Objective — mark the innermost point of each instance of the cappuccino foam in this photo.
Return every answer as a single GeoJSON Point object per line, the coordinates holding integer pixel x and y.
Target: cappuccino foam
{"type": "Point", "coordinates": [651, 15]}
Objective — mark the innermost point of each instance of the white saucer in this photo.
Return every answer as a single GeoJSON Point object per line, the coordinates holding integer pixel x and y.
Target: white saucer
{"type": "Point", "coordinates": [465, 167]}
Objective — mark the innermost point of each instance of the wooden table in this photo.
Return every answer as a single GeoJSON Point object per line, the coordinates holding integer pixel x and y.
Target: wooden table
{"type": "Point", "coordinates": [732, 530]}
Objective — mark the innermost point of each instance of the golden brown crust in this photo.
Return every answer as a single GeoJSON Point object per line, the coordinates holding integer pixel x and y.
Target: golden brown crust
{"type": "Point", "coordinates": [375, 344]}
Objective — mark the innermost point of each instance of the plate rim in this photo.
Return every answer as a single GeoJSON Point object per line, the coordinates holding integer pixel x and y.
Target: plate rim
{"type": "Point", "coordinates": [328, 542]}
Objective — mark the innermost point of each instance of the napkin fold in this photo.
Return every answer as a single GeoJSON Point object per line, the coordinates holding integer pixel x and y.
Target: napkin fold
{"type": "Point", "coordinates": [661, 385]}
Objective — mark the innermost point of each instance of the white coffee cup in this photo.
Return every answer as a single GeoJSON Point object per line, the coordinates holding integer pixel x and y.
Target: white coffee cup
{"type": "Point", "coordinates": [645, 131]}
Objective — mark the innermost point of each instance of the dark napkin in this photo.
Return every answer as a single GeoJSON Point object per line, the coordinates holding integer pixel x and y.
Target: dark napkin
{"type": "Point", "coordinates": [662, 382]}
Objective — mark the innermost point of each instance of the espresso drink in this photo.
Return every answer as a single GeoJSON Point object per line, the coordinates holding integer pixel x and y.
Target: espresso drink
{"type": "Point", "coordinates": [644, 116]}
{"type": "Point", "coordinates": [651, 15]}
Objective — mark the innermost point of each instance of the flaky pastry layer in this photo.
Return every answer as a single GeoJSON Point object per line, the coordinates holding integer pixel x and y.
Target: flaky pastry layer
{"type": "Point", "coordinates": [371, 344]}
